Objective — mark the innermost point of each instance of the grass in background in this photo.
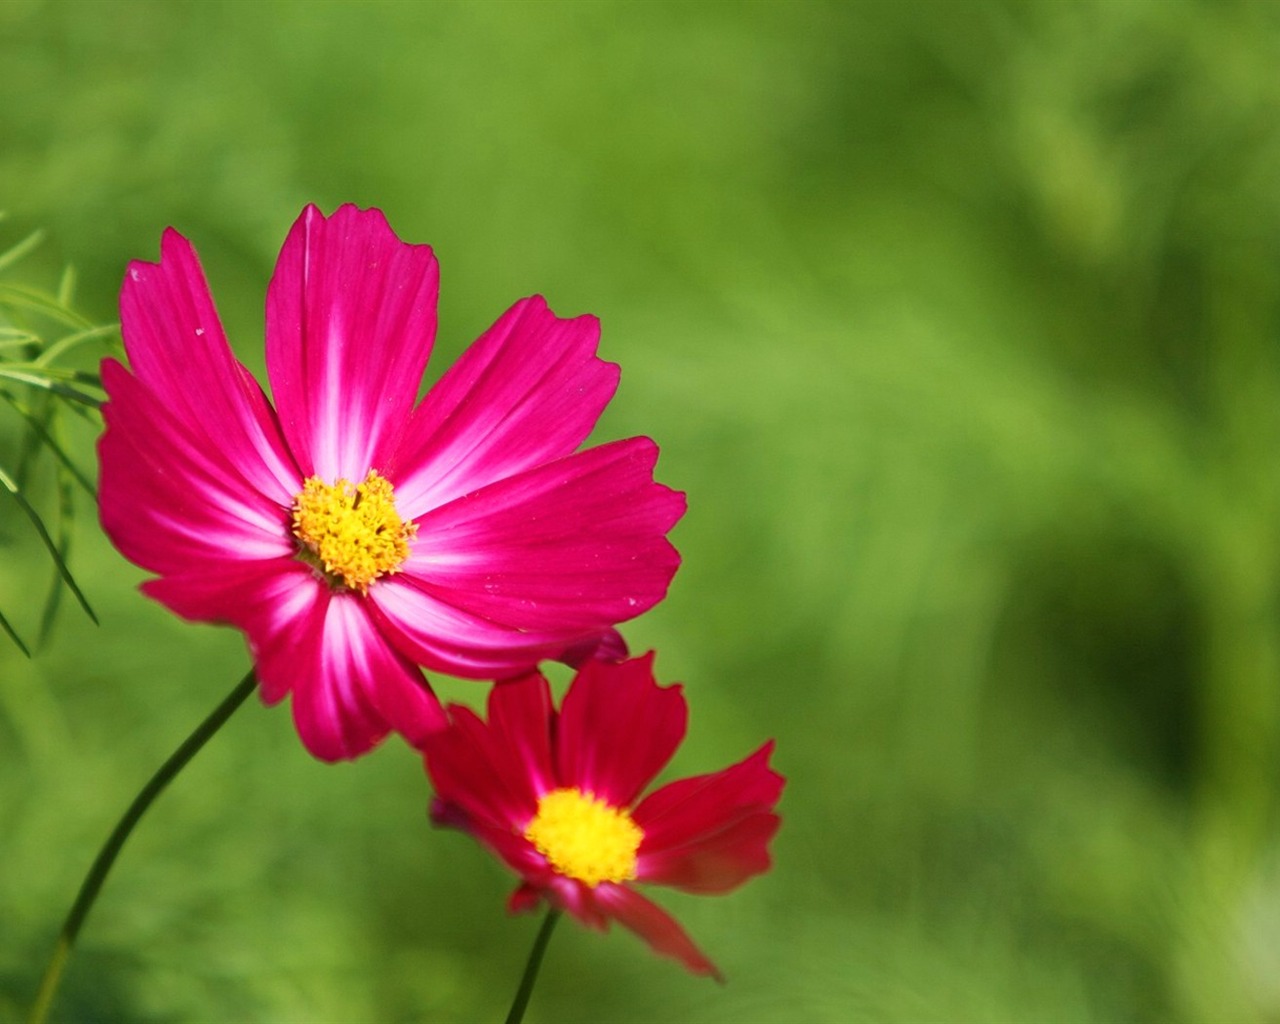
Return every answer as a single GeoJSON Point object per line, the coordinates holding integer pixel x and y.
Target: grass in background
{"type": "Point", "coordinates": [959, 325]}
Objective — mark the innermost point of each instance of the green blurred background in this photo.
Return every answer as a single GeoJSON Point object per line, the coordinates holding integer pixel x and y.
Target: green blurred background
{"type": "Point", "coordinates": [958, 322]}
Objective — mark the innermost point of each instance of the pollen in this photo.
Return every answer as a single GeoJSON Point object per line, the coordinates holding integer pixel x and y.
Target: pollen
{"type": "Point", "coordinates": [351, 532]}
{"type": "Point", "coordinates": [585, 838]}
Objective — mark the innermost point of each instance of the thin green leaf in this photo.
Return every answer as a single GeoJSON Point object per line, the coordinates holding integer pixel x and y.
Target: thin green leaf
{"type": "Point", "coordinates": [40, 428]}
{"type": "Point", "coordinates": [65, 344]}
{"type": "Point", "coordinates": [7, 482]}
{"type": "Point", "coordinates": [66, 516]}
{"type": "Point", "coordinates": [4, 625]}
{"type": "Point", "coordinates": [57, 387]}
{"type": "Point", "coordinates": [20, 297]}
{"type": "Point", "coordinates": [87, 410]}
{"type": "Point", "coordinates": [67, 286]}
{"type": "Point", "coordinates": [13, 255]}
{"type": "Point", "coordinates": [51, 372]}
{"type": "Point", "coordinates": [42, 416]}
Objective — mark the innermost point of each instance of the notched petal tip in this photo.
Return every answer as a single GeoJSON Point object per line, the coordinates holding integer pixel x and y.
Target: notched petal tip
{"type": "Point", "coordinates": [351, 319]}
{"type": "Point", "coordinates": [711, 833]}
{"type": "Point", "coordinates": [618, 728]}
{"type": "Point", "coordinates": [526, 393]}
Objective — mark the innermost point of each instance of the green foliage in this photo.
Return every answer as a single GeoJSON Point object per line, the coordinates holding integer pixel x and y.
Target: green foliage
{"type": "Point", "coordinates": [958, 323]}
{"type": "Point", "coordinates": [39, 331]}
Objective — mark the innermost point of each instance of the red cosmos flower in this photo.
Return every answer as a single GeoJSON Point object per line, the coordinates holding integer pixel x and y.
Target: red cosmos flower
{"type": "Point", "coordinates": [554, 796]}
{"type": "Point", "coordinates": [352, 532]}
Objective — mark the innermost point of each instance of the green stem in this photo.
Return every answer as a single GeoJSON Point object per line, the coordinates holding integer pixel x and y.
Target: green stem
{"type": "Point", "coordinates": [92, 883]}
{"type": "Point", "coordinates": [516, 1015]}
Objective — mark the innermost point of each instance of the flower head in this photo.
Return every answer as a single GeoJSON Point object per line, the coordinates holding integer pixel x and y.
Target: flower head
{"type": "Point", "coordinates": [556, 795]}
{"type": "Point", "coordinates": [353, 532]}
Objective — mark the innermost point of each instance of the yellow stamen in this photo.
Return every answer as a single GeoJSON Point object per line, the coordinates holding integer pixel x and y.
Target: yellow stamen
{"type": "Point", "coordinates": [351, 532]}
{"type": "Point", "coordinates": [585, 838]}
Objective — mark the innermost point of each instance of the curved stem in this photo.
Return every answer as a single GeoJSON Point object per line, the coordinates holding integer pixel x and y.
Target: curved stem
{"type": "Point", "coordinates": [516, 1014]}
{"type": "Point", "coordinates": [92, 883]}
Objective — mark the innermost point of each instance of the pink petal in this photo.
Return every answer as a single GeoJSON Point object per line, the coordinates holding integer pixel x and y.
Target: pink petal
{"type": "Point", "coordinates": [528, 392]}
{"type": "Point", "coordinates": [654, 925]}
{"type": "Point", "coordinates": [172, 500]}
{"type": "Point", "coordinates": [176, 347]}
{"type": "Point", "coordinates": [358, 688]}
{"type": "Point", "coordinates": [494, 772]}
{"type": "Point", "coordinates": [535, 564]}
{"type": "Point", "coordinates": [446, 639]}
{"type": "Point", "coordinates": [606, 646]}
{"type": "Point", "coordinates": [710, 834]}
{"type": "Point", "coordinates": [279, 605]}
{"type": "Point", "coordinates": [351, 317]}
{"type": "Point", "coordinates": [617, 729]}
{"type": "Point", "coordinates": [349, 687]}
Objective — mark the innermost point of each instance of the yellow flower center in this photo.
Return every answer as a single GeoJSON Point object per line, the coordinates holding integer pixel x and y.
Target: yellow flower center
{"type": "Point", "coordinates": [351, 532]}
{"type": "Point", "coordinates": [584, 838]}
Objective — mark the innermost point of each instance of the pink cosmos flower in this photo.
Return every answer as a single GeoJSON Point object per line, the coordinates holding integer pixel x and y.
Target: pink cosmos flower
{"type": "Point", "coordinates": [554, 796]}
{"type": "Point", "coordinates": [351, 531]}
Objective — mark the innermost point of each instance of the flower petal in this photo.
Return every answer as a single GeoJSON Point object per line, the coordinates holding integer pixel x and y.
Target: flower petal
{"type": "Point", "coordinates": [176, 348]}
{"type": "Point", "coordinates": [525, 900]}
{"type": "Point", "coordinates": [351, 318]}
{"type": "Point", "coordinates": [511, 847]}
{"type": "Point", "coordinates": [169, 498]}
{"type": "Point", "coordinates": [555, 555]}
{"type": "Point", "coordinates": [494, 772]}
{"type": "Point", "coordinates": [447, 639]}
{"type": "Point", "coordinates": [653, 924]}
{"type": "Point", "coordinates": [617, 729]}
{"type": "Point", "coordinates": [710, 834]}
{"type": "Point", "coordinates": [278, 604]}
{"type": "Point", "coordinates": [528, 392]}
{"type": "Point", "coordinates": [349, 687]}
{"type": "Point", "coordinates": [575, 897]}
{"type": "Point", "coordinates": [358, 688]}
{"type": "Point", "coordinates": [606, 646]}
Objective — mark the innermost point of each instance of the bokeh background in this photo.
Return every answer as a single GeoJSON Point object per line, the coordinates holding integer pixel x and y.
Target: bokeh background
{"type": "Point", "coordinates": [959, 323]}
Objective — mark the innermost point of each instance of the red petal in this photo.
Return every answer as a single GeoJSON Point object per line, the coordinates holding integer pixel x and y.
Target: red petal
{"type": "Point", "coordinates": [520, 716]}
{"type": "Point", "coordinates": [710, 834]}
{"type": "Point", "coordinates": [511, 847]}
{"type": "Point", "coordinates": [617, 729]}
{"type": "Point", "coordinates": [525, 900]}
{"type": "Point", "coordinates": [654, 925]}
{"type": "Point", "coordinates": [716, 863]}
{"type": "Point", "coordinates": [494, 773]}
{"type": "Point", "coordinates": [571, 895]}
